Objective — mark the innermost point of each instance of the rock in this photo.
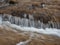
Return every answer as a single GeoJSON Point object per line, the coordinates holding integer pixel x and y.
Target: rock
{"type": "Point", "coordinates": [9, 36]}
{"type": "Point", "coordinates": [50, 12]}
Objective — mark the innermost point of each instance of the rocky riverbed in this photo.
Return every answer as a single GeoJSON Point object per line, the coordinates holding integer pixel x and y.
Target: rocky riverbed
{"type": "Point", "coordinates": [12, 36]}
{"type": "Point", "coordinates": [30, 22]}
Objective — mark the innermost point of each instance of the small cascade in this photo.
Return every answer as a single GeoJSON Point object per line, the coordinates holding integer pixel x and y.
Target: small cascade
{"type": "Point", "coordinates": [28, 22]}
{"type": "Point", "coordinates": [0, 19]}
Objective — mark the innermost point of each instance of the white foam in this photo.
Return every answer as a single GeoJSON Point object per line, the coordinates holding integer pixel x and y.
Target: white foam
{"type": "Point", "coordinates": [0, 19]}
{"type": "Point", "coordinates": [51, 31]}
{"type": "Point", "coordinates": [24, 42]}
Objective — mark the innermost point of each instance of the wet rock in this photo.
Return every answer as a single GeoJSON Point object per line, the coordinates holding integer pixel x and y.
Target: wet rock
{"type": "Point", "coordinates": [45, 14]}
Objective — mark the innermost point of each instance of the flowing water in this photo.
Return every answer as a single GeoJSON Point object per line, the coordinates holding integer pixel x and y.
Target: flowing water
{"type": "Point", "coordinates": [25, 22]}
{"type": "Point", "coordinates": [30, 24]}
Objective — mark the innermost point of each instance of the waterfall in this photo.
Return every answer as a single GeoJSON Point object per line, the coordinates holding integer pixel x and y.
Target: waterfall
{"type": "Point", "coordinates": [0, 19]}
{"type": "Point", "coordinates": [24, 25]}
{"type": "Point", "coordinates": [28, 22]}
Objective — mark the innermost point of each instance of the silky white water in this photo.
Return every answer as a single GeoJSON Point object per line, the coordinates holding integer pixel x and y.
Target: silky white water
{"type": "Point", "coordinates": [30, 22]}
{"type": "Point", "coordinates": [24, 25]}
